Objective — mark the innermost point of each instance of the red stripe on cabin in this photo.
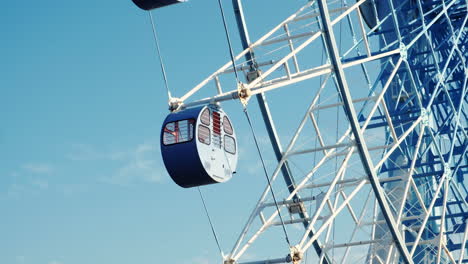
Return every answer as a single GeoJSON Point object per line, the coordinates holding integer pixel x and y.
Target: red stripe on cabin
{"type": "Point", "coordinates": [216, 123]}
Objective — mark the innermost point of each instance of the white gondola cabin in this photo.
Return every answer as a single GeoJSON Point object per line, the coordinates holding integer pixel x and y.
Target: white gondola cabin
{"type": "Point", "coordinates": [199, 146]}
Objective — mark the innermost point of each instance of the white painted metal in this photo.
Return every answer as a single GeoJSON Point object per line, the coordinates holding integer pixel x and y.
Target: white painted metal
{"type": "Point", "coordinates": [347, 178]}
{"type": "Point", "coordinates": [217, 162]}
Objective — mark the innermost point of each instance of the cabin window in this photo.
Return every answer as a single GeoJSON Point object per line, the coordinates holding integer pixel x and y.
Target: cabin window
{"type": "Point", "coordinates": [205, 117]}
{"type": "Point", "coordinates": [204, 134]}
{"type": "Point", "coordinates": [229, 144]}
{"type": "Point", "coordinates": [227, 126]}
{"type": "Point", "coordinates": [178, 132]}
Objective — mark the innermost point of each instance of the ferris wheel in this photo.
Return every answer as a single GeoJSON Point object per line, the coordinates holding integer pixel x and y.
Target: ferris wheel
{"type": "Point", "coordinates": [375, 169]}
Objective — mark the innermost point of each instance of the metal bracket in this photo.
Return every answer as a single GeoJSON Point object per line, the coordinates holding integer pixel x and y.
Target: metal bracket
{"type": "Point", "coordinates": [243, 93]}
{"type": "Point", "coordinates": [175, 104]}
{"type": "Point", "coordinates": [425, 117]}
{"type": "Point", "coordinates": [297, 207]}
{"type": "Point", "coordinates": [403, 51]}
{"type": "Point", "coordinates": [295, 256]}
{"type": "Point", "coordinates": [448, 172]}
{"type": "Point", "coordinates": [252, 75]}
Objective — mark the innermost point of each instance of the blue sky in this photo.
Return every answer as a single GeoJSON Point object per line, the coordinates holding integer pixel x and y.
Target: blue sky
{"type": "Point", "coordinates": [82, 104]}
{"type": "Point", "coordinates": [81, 177]}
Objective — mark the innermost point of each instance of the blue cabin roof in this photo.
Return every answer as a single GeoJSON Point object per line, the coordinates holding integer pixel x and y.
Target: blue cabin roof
{"type": "Point", "coordinates": [183, 114]}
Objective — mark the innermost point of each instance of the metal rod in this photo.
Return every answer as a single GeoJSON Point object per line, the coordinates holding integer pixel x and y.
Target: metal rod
{"type": "Point", "coordinates": [268, 261]}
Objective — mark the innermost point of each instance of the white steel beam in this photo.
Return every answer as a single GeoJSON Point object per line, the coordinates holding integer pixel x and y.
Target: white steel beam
{"type": "Point", "coordinates": [361, 143]}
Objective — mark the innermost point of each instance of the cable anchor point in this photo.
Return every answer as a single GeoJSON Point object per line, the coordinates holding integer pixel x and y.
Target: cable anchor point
{"type": "Point", "coordinates": [229, 261]}
{"type": "Point", "coordinates": [244, 93]}
{"type": "Point", "coordinates": [175, 104]}
{"type": "Point", "coordinates": [295, 256]}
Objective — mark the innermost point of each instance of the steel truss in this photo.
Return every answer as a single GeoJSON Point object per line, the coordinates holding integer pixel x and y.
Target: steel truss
{"type": "Point", "coordinates": [391, 182]}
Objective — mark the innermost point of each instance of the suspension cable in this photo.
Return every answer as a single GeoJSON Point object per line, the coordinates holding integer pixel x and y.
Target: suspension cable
{"type": "Point", "coordinates": [337, 189]}
{"type": "Point", "coordinates": [231, 53]}
{"type": "Point", "coordinates": [211, 223]}
{"type": "Point", "coordinates": [226, 31]}
{"type": "Point", "coordinates": [266, 176]}
{"type": "Point", "coordinates": [161, 63]}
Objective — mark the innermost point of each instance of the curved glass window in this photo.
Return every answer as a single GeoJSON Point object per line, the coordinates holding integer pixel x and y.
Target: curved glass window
{"type": "Point", "coordinates": [178, 132]}
{"type": "Point", "coordinates": [227, 126]}
{"type": "Point", "coordinates": [229, 144]}
{"type": "Point", "coordinates": [205, 117]}
{"type": "Point", "coordinates": [204, 134]}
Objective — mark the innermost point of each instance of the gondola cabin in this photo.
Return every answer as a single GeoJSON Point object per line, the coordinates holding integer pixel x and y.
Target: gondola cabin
{"type": "Point", "coordinates": [153, 4]}
{"type": "Point", "coordinates": [199, 146]}
{"type": "Point", "coordinates": [369, 12]}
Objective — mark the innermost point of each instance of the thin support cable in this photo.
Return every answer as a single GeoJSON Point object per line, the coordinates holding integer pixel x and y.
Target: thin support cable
{"type": "Point", "coordinates": [231, 53]}
{"type": "Point", "coordinates": [266, 176]}
{"type": "Point", "coordinates": [336, 167]}
{"type": "Point", "coordinates": [315, 143]}
{"type": "Point", "coordinates": [336, 138]}
{"type": "Point", "coordinates": [211, 223]}
{"type": "Point", "coordinates": [161, 63]}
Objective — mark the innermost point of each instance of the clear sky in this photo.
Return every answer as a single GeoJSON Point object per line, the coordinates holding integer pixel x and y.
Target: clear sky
{"type": "Point", "coordinates": [81, 106]}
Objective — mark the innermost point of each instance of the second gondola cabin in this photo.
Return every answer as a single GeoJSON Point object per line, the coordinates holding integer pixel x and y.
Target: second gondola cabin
{"type": "Point", "coordinates": [153, 4]}
{"type": "Point", "coordinates": [199, 146]}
